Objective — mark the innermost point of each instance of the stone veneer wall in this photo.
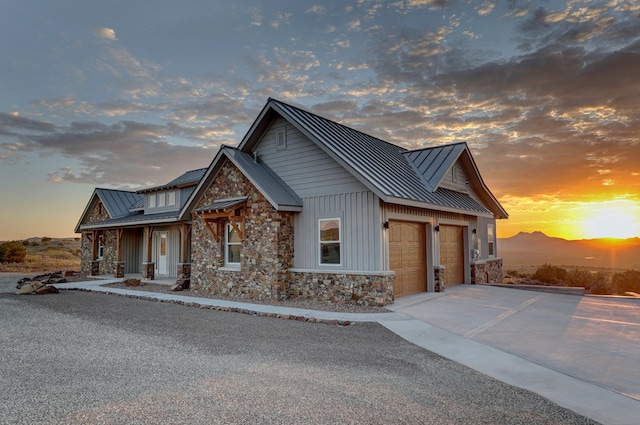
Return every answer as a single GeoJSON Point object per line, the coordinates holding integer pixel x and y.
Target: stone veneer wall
{"type": "Point", "coordinates": [487, 271]}
{"type": "Point", "coordinates": [98, 213]}
{"type": "Point", "coordinates": [267, 248]}
{"type": "Point", "coordinates": [363, 289]}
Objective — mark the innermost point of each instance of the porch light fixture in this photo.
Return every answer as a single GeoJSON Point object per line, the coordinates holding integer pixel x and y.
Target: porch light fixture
{"type": "Point", "coordinates": [436, 228]}
{"type": "Point", "coordinates": [385, 224]}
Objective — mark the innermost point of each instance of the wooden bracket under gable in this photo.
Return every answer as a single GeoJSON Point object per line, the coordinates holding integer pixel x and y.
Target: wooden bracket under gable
{"type": "Point", "coordinates": [235, 216]}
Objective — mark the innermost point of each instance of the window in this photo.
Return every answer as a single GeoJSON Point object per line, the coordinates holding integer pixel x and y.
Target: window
{"type": "Point", "coordinates": [171, 198]}
{"type": "Point", "coordinates": [233, 244]}
{"type": "Point", "coordinates": [490, 240]}
{"type": "Point", "coordinates": [100, 248]}
{"type": "Point", "coordinates": [161, 199]}
{"type": "Point", "coordinates": [152, 200]}
{"type": "Point", "coordinates": [281, 139]}
{"type": "Point", "coordinates": [330, 241]}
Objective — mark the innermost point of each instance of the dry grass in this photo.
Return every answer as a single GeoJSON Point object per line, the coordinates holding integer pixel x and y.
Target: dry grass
{"type": "Point", "coordinates": [46, 254]}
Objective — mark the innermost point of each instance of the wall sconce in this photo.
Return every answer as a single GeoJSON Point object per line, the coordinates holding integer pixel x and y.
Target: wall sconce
{"type": "Point", "coordinates": [385, 224]}
{"type": "Point", "coordinates": [436, 228]}
{"type": "Point", "coordinates": [474, 231]}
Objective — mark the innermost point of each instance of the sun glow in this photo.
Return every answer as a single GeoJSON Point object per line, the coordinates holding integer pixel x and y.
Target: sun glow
{"type": "Point", "coordinates": [611, 219]}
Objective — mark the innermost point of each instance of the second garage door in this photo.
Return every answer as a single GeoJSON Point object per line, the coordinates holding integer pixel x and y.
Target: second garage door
{"type": "Point", "coordinates": [407, 257]}
{"type": "Point", "coordinates": [452, 254]}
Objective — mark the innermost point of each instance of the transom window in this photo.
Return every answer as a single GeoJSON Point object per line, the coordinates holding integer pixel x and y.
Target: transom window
{"type": "Point", "coordinates": [330, 241]}
{"type": "Point", "coordinates": [233, 245]}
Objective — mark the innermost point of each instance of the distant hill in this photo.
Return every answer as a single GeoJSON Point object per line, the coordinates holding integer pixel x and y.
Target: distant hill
{"type": "Point", "coordinates": [536, 248]}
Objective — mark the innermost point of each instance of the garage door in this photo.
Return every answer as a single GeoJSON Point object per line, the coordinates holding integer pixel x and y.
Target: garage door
{"type": "Point", "coordinates": [407, 257]}
{"type": "Point", "coordinates": [452, 254]}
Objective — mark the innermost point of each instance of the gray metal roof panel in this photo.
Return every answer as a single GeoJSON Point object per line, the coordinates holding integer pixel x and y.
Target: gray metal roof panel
{"type": "Point", "coordinates": [267, 181]}
{"type": "Point", "coordinates": [133, 219]}
{"type": "Point", "coordinates": [383, 164]}
{"type": "Point", "coordinates": [187, 178]}
{"type": "Point", "coordinates": [434, 162]}
{"type": "Point", "coordinates": [117, 202]}
{"type": "Point", "coordinates": [223, 204]}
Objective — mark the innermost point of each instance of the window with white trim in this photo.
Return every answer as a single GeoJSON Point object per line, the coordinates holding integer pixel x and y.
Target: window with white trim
{"type": "Point", "coordinates": [152, 200]}
{"type": "Point", "coordinates": [490, 240]}
{"type": "Point", "coordinates": [233, 245]}
{"type": "Point", "coordinates": [100, 248]}
{"type": "Point", "coordinates": [330, 240]}
{"type": "Point", "coordinates": [171, 197]}
{"type": "Point", "coordinates": [161, 199]}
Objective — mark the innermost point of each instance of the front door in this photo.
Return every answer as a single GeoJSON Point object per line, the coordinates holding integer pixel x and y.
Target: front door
{"type": "Point", "coordinates": [161, 252]}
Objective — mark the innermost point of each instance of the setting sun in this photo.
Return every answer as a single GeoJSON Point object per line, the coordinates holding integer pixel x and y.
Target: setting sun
{"type": "Point", "coordinates": [611, 219]}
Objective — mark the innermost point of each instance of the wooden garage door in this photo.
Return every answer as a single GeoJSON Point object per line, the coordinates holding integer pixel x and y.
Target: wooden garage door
{"type": "Point", "coordinates": [452, 254]}
{"type": "Point", "coordinates": [407, 257]}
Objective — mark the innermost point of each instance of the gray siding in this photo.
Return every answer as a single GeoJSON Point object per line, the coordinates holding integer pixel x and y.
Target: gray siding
{"type": "Point", "coordinates": [132, 247]}
{"type": "Point", "coordinates": [303, 166]}
{"type": "Point", "coordinates": [361, 231]}
{"type": "Point", "coordinates": [455, 179]}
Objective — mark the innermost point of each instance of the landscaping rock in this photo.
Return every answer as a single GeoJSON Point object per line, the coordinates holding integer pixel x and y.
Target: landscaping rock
{"type": "Point", "coordinates": [132, 282]}
{"type": "Point", "coordinates": [47, 289]}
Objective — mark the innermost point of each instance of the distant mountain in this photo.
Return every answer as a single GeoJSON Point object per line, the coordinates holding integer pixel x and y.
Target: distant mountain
{"type": "Point", "coordinates": [536, 248]}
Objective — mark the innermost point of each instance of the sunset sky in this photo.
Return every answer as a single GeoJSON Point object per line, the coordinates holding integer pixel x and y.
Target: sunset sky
{"type": "Point", "coordinates": [129, 94]}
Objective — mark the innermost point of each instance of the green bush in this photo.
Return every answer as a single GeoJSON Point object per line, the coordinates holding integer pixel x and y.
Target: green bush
{"type": "Point", "coordinates": [12, 252]}
{"type": "Point", "coordinates": [626, 281]}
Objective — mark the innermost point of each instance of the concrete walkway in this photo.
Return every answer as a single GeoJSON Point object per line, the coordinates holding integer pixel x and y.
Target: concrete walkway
{"type": "Point", "coordinates": [581, 352]}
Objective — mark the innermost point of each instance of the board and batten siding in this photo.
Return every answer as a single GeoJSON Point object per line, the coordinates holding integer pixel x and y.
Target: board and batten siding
{"type": "Point", "coordinates": [361, 226]}
{"type": "Point", "coordinates": [302, 165]}
{"type": "Point", "coordinates": [132, 247]}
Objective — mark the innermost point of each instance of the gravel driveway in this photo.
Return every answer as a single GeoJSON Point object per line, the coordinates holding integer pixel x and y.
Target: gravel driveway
{"type": "Point", "coordinates": [80, 357]}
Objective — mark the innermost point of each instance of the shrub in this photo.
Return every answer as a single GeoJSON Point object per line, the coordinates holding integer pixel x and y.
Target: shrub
{"type": "Point", "coordinates": [579, 278]}
{"type": "Point", "coordinates": [626, 281]}
{"type": "Point", "coordinates": [600, 284]}
{"type": "Point", "coordinates": [12, 252]}
{"type": "Point", "coordinates": [547, 273]}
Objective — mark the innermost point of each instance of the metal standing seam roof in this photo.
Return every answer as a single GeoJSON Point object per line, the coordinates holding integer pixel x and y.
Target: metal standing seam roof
{"type": "Point", "coordinates": [133, 219]}
{"type": "Point", "coordinates": [222, 204]}
{"type": "Point", "coordinates": [191, 177]}
{"type": "Point", "coordinates": [383, 164]}
{"type": "Point", "coordinates": [118, 202]}
{"type": "Point", "coordinates": [279, 194]}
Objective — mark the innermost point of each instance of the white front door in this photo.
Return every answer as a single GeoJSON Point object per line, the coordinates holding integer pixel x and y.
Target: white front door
{"type": "Point", "coordinates": [161, 253]}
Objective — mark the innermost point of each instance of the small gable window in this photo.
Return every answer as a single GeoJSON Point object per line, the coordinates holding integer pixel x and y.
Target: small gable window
{"type": "Point", "coordinates": [330, 241]}
{"type": "Point", "coordinates": [233, 245]}
{"type": "Point", "coordinates": [281, 139]}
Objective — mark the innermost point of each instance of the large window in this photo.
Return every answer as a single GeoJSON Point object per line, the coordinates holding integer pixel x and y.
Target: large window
{"type": "Point", "coordinates": [330, 241]}
{"type": "Point", "coordinates": [490, 240]}
{"type": "Point", "coordinates": [233, 245]}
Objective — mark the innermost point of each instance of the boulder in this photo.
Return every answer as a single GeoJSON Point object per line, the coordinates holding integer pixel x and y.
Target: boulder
{"type": "Point", "coordinates": [132, 282]}
{"type": "Point", "coordinates": [24, 289]}
{"type": "Point", "coordinates": [47, 289]}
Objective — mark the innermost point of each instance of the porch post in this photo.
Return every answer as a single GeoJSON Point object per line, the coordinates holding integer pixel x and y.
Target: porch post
{"type": "Point", "coordinates": [184, 266]}
{"type": "Point", "coordinates": [118, 270]}
{"type": "Point", "coordinates": [95, 262]}
{"type": "Point", "coordinates": [148, 266]}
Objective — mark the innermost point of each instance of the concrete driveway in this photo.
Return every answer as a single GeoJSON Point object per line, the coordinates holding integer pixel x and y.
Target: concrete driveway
{"type": "Point", "coordinates": [591, 340]}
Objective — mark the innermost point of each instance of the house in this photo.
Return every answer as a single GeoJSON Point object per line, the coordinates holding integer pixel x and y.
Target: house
{"type": "Point", "coordinates": [306, 207]}
{"type": "Point", "coordinates": [143, 232]}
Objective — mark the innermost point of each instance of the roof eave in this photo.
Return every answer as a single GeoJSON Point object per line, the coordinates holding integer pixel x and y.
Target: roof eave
{"type": "Point", "coordinates": [435, 207]}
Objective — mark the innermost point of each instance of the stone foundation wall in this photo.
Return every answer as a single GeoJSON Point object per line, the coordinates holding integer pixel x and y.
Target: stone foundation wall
{"type": "Point", "coordinates": [488, 271]}
{"type": "Point", "coordinates": [438, 278]}
{"type": "Point", "coordinates": [267, 249]}
{"type": "Point", "coordinates": [365, 289]}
